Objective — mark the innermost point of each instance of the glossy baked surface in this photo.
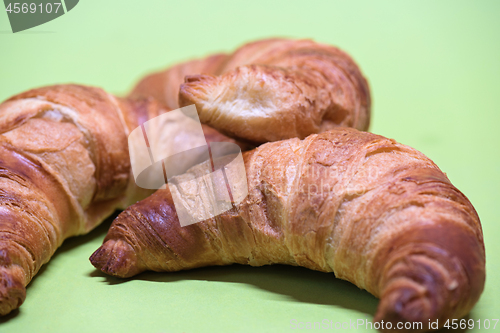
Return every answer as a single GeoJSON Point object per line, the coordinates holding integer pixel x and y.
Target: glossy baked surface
{"type": "Point", "coordinates": [438, 63]}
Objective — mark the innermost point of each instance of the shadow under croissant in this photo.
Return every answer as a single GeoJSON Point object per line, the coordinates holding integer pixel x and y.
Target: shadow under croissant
{"type": "Point", "coordinates": [298, 283]}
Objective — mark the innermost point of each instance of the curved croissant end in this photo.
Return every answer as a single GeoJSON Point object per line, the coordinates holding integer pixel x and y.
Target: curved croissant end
{"type": "Point", "coordinates": [164, 86]}
{"type": "Point", "coordinates": [434, 272]}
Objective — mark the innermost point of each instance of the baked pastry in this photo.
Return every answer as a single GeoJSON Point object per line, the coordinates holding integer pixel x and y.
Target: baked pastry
{"type": "Point", "coordinates": [268, 90]}
{"type": "Point", "coordinates": [64, 168]}
{"type": "Point", "coordinates": [374, 212]}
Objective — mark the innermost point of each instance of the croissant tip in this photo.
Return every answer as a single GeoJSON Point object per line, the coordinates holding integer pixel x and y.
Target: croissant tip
{"type": "Point", "coordinates": [12, 291]}
{"type": "Point", "coordinates": [117, 258]}
{"type": "Point", "coordinates": [404, 306]}
{"type": "Point", "coordinates": [196, 89]}
{"type": "Point", "coordinates": [199, 78]}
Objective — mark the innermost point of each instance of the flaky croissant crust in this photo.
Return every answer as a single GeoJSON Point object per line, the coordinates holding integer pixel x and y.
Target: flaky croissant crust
{"type": "Point", "coordinates": [376, 213]}
{"type": "Point", "coordinates": [64, 167]}
{"type": "Point", "coordinates": [268, 90]}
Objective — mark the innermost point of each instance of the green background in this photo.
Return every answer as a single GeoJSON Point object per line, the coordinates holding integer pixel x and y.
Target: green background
{"type": "Point", "coordinates": [434, 71]}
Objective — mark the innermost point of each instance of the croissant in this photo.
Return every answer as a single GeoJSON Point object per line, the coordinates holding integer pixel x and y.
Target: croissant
{"type": "Point", "coordinates": [64, 167]}
{"type": "Point", "coordinates": [268, 90]}
{"type": "Point", "coordinates": [375, 212]}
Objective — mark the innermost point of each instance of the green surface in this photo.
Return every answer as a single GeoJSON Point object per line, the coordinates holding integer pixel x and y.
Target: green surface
{"type": "Point", "coordinates": [434, 71]}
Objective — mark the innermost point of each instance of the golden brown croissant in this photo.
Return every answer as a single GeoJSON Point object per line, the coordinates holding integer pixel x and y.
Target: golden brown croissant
{"type": "Point", "coordinates": [269, 90]}
{"type": "Point", "coordinates": [64, 167]}
{"type": "Point", "coordinates": [375, 212]}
